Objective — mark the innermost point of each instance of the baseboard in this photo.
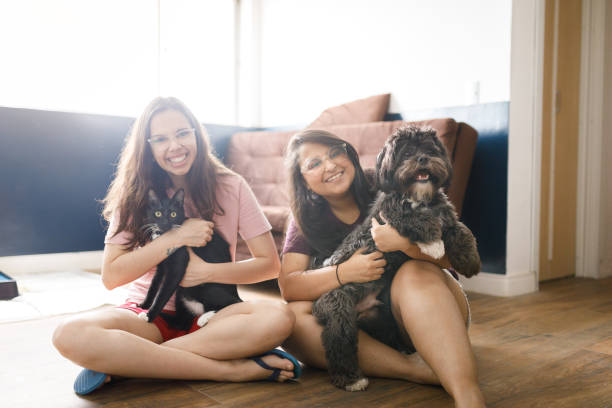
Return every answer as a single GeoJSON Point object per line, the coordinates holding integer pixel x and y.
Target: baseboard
{"type": "Point", "coordinates": [605, 268]}
{"type": "Point", "coordinates": [501, 285]}
{"type": "Point", "coordinates": [90, 260]}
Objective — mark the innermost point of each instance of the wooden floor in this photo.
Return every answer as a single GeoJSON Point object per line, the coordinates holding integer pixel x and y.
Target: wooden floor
{"type": "Point", "coordinates": [548, 349]}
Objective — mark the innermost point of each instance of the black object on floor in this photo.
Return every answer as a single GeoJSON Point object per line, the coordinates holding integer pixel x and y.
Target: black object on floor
{"type": "Point", "coordinates": [8, 287]}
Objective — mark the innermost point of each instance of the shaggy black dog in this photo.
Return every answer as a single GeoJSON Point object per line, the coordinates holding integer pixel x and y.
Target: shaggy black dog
{"type": "Point", "coordinates": [412, 169]}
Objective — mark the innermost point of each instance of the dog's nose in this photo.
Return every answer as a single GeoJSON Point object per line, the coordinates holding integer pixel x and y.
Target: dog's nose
{"type": "Point", "coordinates": [422, 159]}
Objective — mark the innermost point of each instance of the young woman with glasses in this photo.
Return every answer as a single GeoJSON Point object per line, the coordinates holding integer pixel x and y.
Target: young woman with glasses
{"type": "Point", "coordinates": [167, 149]}
{"type": "Point", "coordinates": [330, 195]}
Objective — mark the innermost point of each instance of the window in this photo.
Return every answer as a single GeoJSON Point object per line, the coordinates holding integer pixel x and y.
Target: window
{"type": "Point", "coordinates": [113, 56]}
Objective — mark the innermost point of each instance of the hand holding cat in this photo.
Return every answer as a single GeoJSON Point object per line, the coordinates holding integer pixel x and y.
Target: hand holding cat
{"type": "Point", "coordinates": [195, 232]}
{"type": "Point", "coordinates": [196, 271]}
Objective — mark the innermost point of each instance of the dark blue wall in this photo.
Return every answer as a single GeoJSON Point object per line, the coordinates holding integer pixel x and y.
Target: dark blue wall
{"type": "Point", "coordinates": [54, 167]}
{"type": "Point", "coordinates": [485, 205]}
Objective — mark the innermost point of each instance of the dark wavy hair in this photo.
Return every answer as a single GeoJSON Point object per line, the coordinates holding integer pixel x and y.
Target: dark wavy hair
{"type": "Point", "coordinates": [308, 207]}
{"type": "Point", "coordinates": [137, 172]}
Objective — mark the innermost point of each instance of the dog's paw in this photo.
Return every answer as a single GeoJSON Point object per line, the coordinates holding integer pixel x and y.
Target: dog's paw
{"type": "Point", "coordinates": [143, 316]}
{"type": "Point", "coordinates": [434, 249]}
{"type": "Point", "coordinates": [359, 385]}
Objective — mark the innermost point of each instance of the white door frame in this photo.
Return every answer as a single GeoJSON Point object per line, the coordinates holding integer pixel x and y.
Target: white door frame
{"type": "Point", "coordinates": [590, 137]}
{"type": "Point", "coordinates": [524, 156]}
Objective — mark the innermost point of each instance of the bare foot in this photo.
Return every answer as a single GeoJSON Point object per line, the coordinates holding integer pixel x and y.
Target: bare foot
{"type": "Point", "coordinates": [106, 381]}
{"type": "Point", "coordinates": [249, 370]}
{"type": "Point", "coordinates": [421, 372]}
{"type": "Point", "coordinates": [114, 379]}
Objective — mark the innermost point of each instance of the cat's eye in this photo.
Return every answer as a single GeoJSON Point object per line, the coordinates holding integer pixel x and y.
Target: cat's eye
{"type": "Point", "coordinates": [158, 214]}
{"type": "Point", "coordinates": [173, 214]}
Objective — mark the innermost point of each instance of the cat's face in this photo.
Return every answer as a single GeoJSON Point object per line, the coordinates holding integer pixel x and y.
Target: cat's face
{"type": "Point", "coordinates": [164, 214]}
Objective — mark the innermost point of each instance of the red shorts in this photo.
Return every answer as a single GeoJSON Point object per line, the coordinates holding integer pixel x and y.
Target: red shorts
{"type": "Point", "coordinates": [167, 332]}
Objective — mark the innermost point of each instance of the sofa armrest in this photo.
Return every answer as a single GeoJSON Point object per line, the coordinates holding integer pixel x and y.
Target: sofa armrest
{"type": "Point", "coordinates": [463, 156]}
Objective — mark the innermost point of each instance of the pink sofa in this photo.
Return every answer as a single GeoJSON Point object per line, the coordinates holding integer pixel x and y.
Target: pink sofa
{"type": "Point", "coordinates": [259, 158]}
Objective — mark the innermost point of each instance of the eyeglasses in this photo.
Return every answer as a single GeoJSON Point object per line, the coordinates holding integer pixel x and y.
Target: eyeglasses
{"type": "Point", "coordinates": [315, 164]}
{"type": "Point", "coordinates": [181, 136]}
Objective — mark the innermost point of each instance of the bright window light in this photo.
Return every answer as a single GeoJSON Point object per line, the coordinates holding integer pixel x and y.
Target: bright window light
{"type": "Point", "coordinates": [113, 56]}
{"type": "Point", "coordinates": [197, 56]}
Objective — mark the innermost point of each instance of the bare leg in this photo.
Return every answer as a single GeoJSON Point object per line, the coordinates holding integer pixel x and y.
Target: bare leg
{"type": "Point", "coordinates": [375, 358]}
{"type": "Point", "coordinates": [240, 330]}
{"type": "Point", "coordinates": [117, 342]}
{"type": "Point", "coordinates": [433, 310]}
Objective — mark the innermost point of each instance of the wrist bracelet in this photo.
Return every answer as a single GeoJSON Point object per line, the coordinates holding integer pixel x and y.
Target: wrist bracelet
{"type": "Point", "coordinates": [338, 277]}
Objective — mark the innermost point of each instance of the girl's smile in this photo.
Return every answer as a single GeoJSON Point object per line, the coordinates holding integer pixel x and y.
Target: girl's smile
{"type": "Point", "coordinates": [335, 177]}
{"type": "Point", "coordinates": [178, 161]}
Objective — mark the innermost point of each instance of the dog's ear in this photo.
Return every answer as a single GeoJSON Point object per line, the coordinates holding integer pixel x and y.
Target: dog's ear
{"type": "Point", "coordinates": [384, 166]}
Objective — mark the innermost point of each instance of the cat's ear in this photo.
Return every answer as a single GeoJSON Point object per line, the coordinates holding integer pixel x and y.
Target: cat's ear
{"type": "Point", "coordinates": [179, 195]}
{"type": "Point", "coordinates": [153, 197]}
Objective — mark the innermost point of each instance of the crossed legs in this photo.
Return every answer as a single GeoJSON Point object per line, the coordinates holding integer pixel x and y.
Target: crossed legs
{"type": "Point", "coordinates": [117, 342]}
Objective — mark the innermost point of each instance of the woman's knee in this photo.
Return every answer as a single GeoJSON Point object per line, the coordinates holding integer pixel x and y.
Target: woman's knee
{"type": "Point", "coordinates": [419, 283]}
{"type": "Point", "coordinates": [74, 337]}
{"type": "Point", "coordinates": [416, 275]}
{"type": "Point", "coordinates": [280, 318]}
{"type": "Point", "coordinates": [71, 336]}
{"type": "Point", "coordinates": [300, 308]}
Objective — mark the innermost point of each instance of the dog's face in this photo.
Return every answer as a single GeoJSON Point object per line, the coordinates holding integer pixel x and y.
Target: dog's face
{"type": "Point", "coordinates": [414, 162]}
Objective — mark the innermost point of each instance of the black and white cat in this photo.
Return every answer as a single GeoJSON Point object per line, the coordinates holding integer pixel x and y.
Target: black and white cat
{"type": "Point", "coordinates": [201, 300]}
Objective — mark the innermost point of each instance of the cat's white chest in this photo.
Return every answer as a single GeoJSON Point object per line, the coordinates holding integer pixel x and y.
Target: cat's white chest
{"type": "Point", "coordinates": [195, 307]}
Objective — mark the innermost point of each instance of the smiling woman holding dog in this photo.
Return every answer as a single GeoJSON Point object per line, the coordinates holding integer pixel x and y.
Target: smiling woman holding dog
{"type": "Point", "coordinates": [330, 197]}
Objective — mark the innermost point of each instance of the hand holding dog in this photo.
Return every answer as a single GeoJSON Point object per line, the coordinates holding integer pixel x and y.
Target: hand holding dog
{"type": "Point", "coordinates": [387, 239]}
{"type": "Point", "coordinates": [362, 267]}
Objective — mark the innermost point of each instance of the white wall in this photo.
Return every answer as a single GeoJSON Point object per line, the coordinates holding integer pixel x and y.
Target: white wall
{"type": "Point", "coordinates": [319, 53]}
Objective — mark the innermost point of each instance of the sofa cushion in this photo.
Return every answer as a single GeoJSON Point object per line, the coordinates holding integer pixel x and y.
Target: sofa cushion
{"type": "Point", "coordinates": [259, 158]}
{"type": "Point", "coordinates": [372, 109]}
{"type": "Point", "coordinates": [277, 215]}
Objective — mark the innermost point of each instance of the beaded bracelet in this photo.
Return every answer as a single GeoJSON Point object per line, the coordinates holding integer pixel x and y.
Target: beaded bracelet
{"type": "Point", "coordinates": [338, 277]}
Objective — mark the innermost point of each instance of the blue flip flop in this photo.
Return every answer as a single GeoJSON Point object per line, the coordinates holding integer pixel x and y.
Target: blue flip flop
{"type": "Point", "coordinates": [88, 381]}
{"type": "Point", "coordinates": [297, 368]}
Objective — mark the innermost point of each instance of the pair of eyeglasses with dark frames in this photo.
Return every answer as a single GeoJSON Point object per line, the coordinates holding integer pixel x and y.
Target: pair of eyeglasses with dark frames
{"type": "Point", "coordinates": [181, 136]}
{"type": "Point", "coordinates": [315, 164]}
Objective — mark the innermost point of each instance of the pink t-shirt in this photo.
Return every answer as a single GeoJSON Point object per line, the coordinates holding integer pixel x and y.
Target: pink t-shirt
{"type": "Point", "coordinates": [242, 216]}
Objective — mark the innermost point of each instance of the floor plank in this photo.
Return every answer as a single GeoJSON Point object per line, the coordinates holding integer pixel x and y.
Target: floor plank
{"type": "Point", "coordinates": [551, 348]}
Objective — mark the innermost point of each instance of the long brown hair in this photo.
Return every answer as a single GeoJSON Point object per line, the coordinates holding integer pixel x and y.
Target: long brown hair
{"type": "Point", "coordinates": [137, 172]}
{"type": "Point", "coordinates": [308, 207]}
